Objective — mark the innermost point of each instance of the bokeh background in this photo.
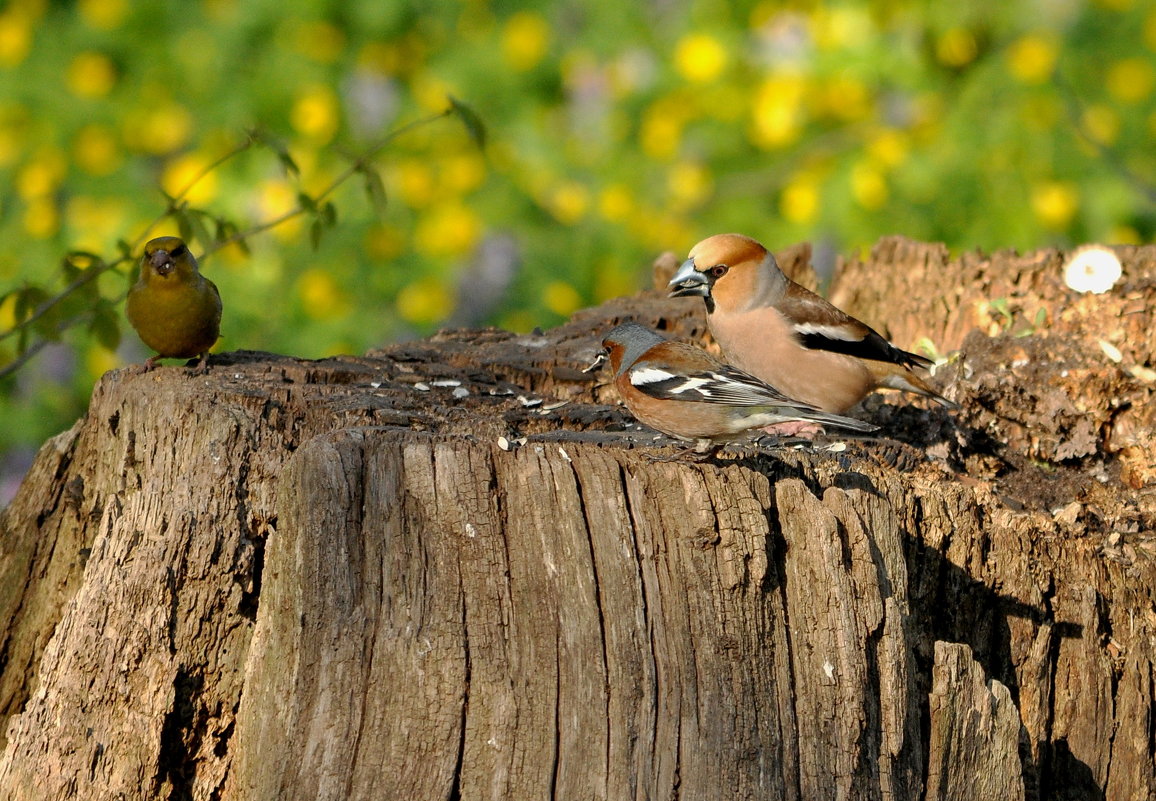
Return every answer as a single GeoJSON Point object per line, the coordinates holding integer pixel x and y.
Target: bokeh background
{"type": "Point", "coordinates": [614, 131]}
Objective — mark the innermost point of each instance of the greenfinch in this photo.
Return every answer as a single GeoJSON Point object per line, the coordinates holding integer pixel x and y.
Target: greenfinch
{"type": "Point", "coordinates": [175, 310]}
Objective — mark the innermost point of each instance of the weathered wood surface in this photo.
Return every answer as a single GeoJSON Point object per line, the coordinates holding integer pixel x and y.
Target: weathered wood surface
{"type": "Point", "coordinates": [294, 579]}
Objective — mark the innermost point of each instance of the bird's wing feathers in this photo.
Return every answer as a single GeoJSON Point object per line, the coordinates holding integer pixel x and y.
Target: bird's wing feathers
{"type": "Point", "coordinates": [719, 385]}
{"type": "Point", "coordinates": [821, 326]}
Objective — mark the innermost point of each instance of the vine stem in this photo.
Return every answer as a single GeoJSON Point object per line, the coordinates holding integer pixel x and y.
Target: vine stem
{"type": "Point", "coordinates": [174, 204]}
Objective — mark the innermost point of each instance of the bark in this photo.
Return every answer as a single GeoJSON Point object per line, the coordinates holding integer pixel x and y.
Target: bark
{"type": "Point", "coordinates": [332, 579]}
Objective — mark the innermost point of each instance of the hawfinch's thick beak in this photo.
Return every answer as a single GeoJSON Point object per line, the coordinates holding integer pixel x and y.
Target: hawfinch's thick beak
{"type": "Point", "coordinates": [688, 281]}
{"type": "Point", "coordinates": [162, 262]}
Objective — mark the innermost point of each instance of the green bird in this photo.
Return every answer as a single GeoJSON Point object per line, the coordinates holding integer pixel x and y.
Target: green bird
{"type": "Point", "coordinates": [175, 310]}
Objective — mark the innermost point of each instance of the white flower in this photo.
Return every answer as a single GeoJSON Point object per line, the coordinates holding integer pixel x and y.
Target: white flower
{"type": "Point", "coordinates": [1092, 268]}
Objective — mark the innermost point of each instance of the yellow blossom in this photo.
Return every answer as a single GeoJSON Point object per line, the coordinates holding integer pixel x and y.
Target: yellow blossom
{"type": "Point", "coordinates": [321, 297]}
{"type": "Point", "coordinates": [799, 202]}
{"type": "Point", "coordinates": [841, 27]}
{"type": "Point", "coordinates": [103, 15]}
{"type": "Point", "coordinates": [615, 203]}
{"type": "Point", "coordinates": [525, 40]}
{"type": "Point", "coordinates": [661, 133]}
{"type": "Point", "coordinates": [1125, 235]}
{"type": "Point", "coordinates": [90, 74]}
{"type": "Point", "coordinates": [613, 281]}
{"type": "Point", "coordinates": [519, 321]}
{"type": "Point", "coordinates": [275, 198]}
{"type": "Point", "coordinates": [424, 302]}
{"type": "Point", "coordinates": [383, 242]}
{"type": "Point", "coordinates": [430, 92]}
{"type": "Point", "coordinates": [1055, 203]}
{"type": "Point", "coordinates": [1032, 58]}
{"type": "Point", "coordinates": [688, 184]}
{"type": "Point", "coordinates": [13, 130]}
{"type": "Point", "coordinates": [778, 116]}
{"type": "Point", "coordinates": [450, 229]}
{"type": "Point", "coordinates": [656, 229]}
{"type": "Point", "coordinates": [846, 97]}
{"type": "Point", "coordinates": [316, 114]}
{"type": "Point", "coordinates": [700, 58]}
{"type": "Point", "coordinates": [180, 173]}
{"type": "Point", "coordinates": [1043, 111]}
{"type": "Point", "coordinates": [1101, 123]}
{"type": "Point", "coordinates": [956, 47]}
{"type": "Point", "coordinates": [42, 174]}
{"type": "Point", "coordinates": [7, 312]}
{"type": "Point", "coordinates": [415, 182]}
{"type": "Point", "coordinates": [158, 128]}
{"type": "Point", "coordinates": [15, 38]}
{"type": "Point", "coordinates": [380, 57]}
{"type": "Point", "coordinates": [889, 147]}
{"type": "Point", "coordinates": [1130, 80]}
{"type": "Point", "coordinates": [95, 150]}
{"type": "Point", "coordinates": [561, 298]}
{"type": "Point", "coordinates": [868, 186]}
{"type": "Point", "coordinates": [94, 223]}
{"type": "Point", "coordinates": [320, 41]}
{"type": "Point", "coordinates": [462, 172]}
{"type": "Point", "coordinates": [98, 360]}
{"type": "Point", "coordinates": [568, 202]}
{"type": "Point", "coordinates": [41, 219]}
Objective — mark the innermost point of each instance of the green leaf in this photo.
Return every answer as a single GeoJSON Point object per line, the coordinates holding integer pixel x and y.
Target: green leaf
{"type": "Point", "coordinates": [329, 214]}
{"type": "Point", "coordinates": [27, 301]}
{"type": "Point", "coordinates": [306, 202]}
{"type": "Point", "coordinates": [315, 232]}
{"type": "Point", "coordinates": [105, 325]}
{"type": "Point", "coordinates": [474, 125]}
{"type": "Point", "coordinates": [278, 147]}
{"type": "Point", "coordinates": [77, 262]}
{"type": "Point", "coordinates": [375, 190]}
{"type": "Point", "coordinates": [288, 163]}
{"type": "Point", "coordinates": [184, 224]}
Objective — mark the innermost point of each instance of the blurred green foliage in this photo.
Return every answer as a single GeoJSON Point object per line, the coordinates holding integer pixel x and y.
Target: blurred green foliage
{"type": "Point", "coordinates": [615, 131]}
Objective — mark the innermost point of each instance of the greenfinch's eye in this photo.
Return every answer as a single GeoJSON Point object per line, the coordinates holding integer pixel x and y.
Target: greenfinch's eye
{"type": "Point", "coordinates": [179, 250]}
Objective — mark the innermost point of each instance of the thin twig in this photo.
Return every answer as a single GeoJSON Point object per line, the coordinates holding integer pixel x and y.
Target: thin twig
{"type": "Point", "coordinates": [358, 164]}
{"type": "Point", "coordinates": [174, 204]}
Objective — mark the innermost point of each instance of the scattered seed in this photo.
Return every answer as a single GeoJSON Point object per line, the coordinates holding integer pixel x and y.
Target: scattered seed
{"type": "Point", "coordinates": [565, 455]}
{"type": "Point", "coordinates": [522, 399]}
{"type": "Point", "coordinates": [446, 382]}
{"type": "Point", "coordinates": [421, 386]}
{"type": "Point", "coordinates": [1111, 351]}
{"type": "Point", "coordinates": [461, 392]}
{"type": "Point", "coordinates": [837, 447]}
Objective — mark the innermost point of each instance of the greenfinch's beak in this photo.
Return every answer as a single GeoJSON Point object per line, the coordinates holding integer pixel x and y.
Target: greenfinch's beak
{"type": "Point", "coordinates": [162, 262]}
{"type": "Point", "coordinates": [689, 281]}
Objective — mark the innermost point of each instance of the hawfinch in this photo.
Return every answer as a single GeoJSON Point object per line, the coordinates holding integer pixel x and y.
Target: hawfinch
{"type": "Point", "coordinates": [175, 310]}
{"type": "Point", "coordinates": [788, 336]}
{"type": "Point", "coordinates": [688, 394]}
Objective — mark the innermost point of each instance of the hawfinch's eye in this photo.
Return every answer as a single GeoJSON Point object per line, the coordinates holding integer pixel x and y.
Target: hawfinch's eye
{"type": "Point", "coordinates": [719, 270]}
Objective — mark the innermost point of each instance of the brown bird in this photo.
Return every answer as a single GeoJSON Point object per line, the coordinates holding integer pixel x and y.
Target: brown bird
{"type": "Point", "coordinates": [688, 394]}
{"type": "Point", "coordinates": [788, 336]}
{"type": "Point", "coordinates": [175, 310]}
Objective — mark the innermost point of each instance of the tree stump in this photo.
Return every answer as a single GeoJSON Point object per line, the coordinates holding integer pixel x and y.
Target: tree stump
{"type": "Point", "coordinates": [448, 569]}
